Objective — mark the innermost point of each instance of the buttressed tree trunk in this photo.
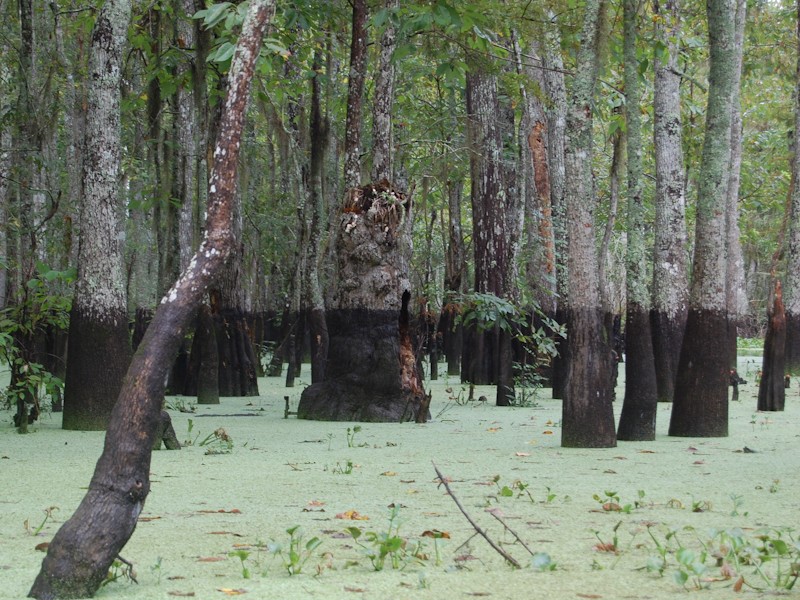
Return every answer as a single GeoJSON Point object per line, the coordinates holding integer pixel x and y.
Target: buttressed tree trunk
{"type": "Point", "coordinates": [372, 372]}
{"type": "Point", "coordinates": [84, 548]}
{"type": "Point", "coordinates": [700, 407]}
{"type": "Point", "coordinates": [99, 347]}
{"type": "Point", "coordinates": [588, 416]}
{"type": "Point", "coordinates": [638, 419]}
{"type": "Point", "coordinates": [670, 280]}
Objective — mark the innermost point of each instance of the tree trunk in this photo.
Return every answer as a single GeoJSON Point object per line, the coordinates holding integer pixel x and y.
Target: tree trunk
{"type": "Point", "coordinates": [556, 113]}
{"type": "Point", "coordinates": [318, 328]}
{"type": "Point", "coordinates": [638, 419]}
{"type": "Point", "coordinates": [99, 347]}
{"type": "Point", "coordinates": [771, 388]}
{"type": "Point", "coordinates": [371, 373]}
{"type": "Point", "coordinates": [736, 292]}
{"type": "Point", "coordinates": [355, 95]}
{"type": "Point", "coordinates": [588, 416]}
{"type": "Point", "coordinates": [382, 150]}
{"type": "Point", "coordinates": [84, 548]}
{"type": "Point", "coordinates": [793, 253]}
{"type": "Point", "coordinates": [491, 213]}
{"type": "Point", "coordinates": [700, 408]}
{"type": "Point", "coordinates": [670, 282]}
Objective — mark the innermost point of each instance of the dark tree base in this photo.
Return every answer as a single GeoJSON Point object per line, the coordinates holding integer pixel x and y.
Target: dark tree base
{"type": "Point", "coordinates": [588, 413]}
{"type": "Point", "coordinates": [638, 419]}
{"type": "Point", "coordinates": [772, 387]}
{"type": "Point", "coordinates": [165, 433]}
{"type": "Point", "coordinates": [700, 407]}
{"type": "Point", "coordinates": [667, 330]}
{"type": "Point", "coordinates": [364, 378]}
{"type": "Point", "coordinates": [99, 355]}
{"type": "Point", "coordinates": [792, 343]}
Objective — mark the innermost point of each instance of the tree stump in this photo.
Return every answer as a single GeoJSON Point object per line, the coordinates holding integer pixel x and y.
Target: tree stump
{"type": "Point", "coordinates": [371, 374]}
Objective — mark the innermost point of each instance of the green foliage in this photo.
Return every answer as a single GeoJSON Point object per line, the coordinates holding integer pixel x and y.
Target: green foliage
{"type": "Point", "coordinates": [296, 553]}
{"type": "Point", "coordinates": [43, 304]}
{"type": "Point", "coordinates": [389, 545]}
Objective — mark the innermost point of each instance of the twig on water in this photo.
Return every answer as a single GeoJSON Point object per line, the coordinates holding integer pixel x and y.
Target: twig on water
{"type": "Point", "coordinates": [510, 559]}
{"type": "Point", "coordinates": [493, 512]}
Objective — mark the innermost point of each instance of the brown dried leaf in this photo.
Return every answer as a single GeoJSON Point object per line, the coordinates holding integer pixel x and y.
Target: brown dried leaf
{"type": "Point", "coordinates": [42, 547]}
{"type": "Point", "coordinates": [352, 515]}
{"type": "Point", "coordinates": [210, 559]}
{"type": "Point", "coordinates": [232, 592]}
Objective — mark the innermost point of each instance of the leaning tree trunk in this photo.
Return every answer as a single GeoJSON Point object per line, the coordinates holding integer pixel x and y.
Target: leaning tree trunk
{"type": "Point", "coordinates": [700, 407]}
{"type": "Point", "coordinates": [638, 418]}
{"type": "Point", "coordinates": [670, 281]}
{"type": "Point", "coordinates": [371, 373]}
{"type": "Point", "coordinates": [772, 388]}
{"type": "Point", "coordinates": [84, 548]}
{"type": "Point", "coordinates": [99, 347]}
{"type": "Point", "coordinates": [588, 416]}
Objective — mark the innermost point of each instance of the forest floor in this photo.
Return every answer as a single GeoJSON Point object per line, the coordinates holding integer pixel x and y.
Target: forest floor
{"type": "Point", "coordinates": [217, 514]}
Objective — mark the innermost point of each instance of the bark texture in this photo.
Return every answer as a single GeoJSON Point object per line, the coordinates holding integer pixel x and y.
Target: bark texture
{"type": "Point", "coordinates": [371, 374]}
{"type": "Point", "coordinates": [638, 418]}
{"type": "Point", "coordinates": [700, 407]}
{"type": "Point", "coordinates": [84, 548]}
{"type": "Point", "coordinates": [99, 348]}
{"type": "Point", "coordinates": [792, 294]}
{"type": "Point", "coordinates": [355, 95]}
{"type": "Point", "coordinates": [670, 280]}
{"type": "Point", "coordinates": [588, 417]}
{"type": "Point", "coordinates": [772, 388]}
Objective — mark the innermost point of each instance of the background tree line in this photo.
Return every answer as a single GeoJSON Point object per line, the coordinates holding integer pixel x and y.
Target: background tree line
{"type": "Point", "coordinates": [557, 155]}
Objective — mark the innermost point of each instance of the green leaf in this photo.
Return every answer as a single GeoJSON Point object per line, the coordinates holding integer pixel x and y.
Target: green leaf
{"type": "Point", "coordinates": [222, 54]}
{"type": "Point", "coordinates": [214, 15]}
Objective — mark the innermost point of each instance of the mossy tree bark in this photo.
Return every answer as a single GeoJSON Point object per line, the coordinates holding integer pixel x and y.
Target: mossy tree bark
{"type": "Point", "coordinates": [371, 373]}
{"type": "Point", "coordinates": [700, 407]}
{"type": "Point", "coordinates": [638, 418]}
{"type": "Point", "coordinates": [84, 548]}
{"type": "Point", "coordinates": [793, 267]}
{"type": "Point", "coordinates": [588, 416]}
{"type": "Point", "coordinates": [99, 349]}
{"type": "Point", "coordinates": [670, 278]}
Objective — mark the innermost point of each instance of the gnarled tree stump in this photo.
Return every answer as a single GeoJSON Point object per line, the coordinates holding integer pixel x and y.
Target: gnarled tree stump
{"type": "Point", "coordinates": [371, 374]}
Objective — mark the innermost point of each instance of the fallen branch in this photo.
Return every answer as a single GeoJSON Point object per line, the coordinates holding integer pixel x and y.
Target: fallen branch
{"type": "Point", "coordinates": [510, 559]}
{"type": "Point", "coordinates": [511, 531]}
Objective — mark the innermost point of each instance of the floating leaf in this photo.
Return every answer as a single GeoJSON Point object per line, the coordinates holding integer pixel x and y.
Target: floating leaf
{"type": "Point", "coordinates": [494, 429]}
{"type": "Point", "coordinates": [352, 515]}
{"type": "Point", "coordinates": [389, 474]}
{"type": "Point", "coordinates": [42, 547]}
{"type": "Point", "coordinates": [210, 559]}
{"type": "Point", "coordinates": [181, 594]}
{"type": "Point", "coordinates": [356, 590]}
{"type": "Point", "coordinates": [522, 454]}
{"type": "Point", "coordinates": [436, 534]}
{"type": "Point", "coordinates": [231, 591]}
{"type": "Point", "coordinates": [547, 432]}
{"type": "Point", "coordinates": [315, 503]}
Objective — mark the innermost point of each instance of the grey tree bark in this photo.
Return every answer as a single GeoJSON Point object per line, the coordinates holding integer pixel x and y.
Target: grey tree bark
{"type": "Point", "coordinates": [99, 349]}
{"type": "Point", "coordinates": [700, 407]}
{"type": "Point", "coordinates": [587, 414]}
{"type": "Point", "coordinates": [382, 143]}
{"type": "Point", "coordinates": [355, 95]}
{"type": "Point", "coordinates": [736, 292]}
{"type": "Point", "coordinates": [670, 275]}
{"type": "Point", "coordinates": [638, 418]}
{"type": "Point", "coordinates": [792, 289]}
